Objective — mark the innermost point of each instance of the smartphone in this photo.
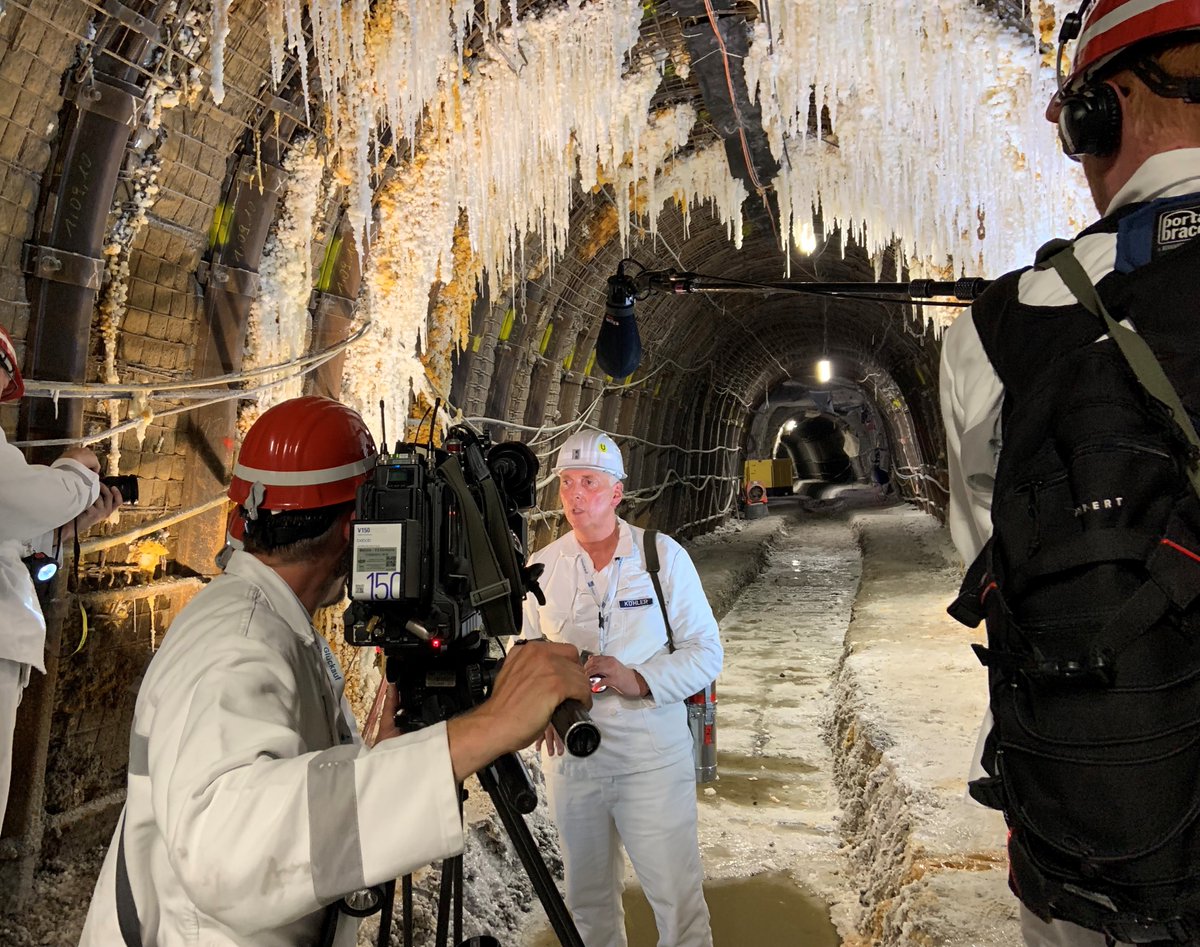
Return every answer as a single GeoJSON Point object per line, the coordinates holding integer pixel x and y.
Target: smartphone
{"type": "Point", "coordinates": [126, 483]}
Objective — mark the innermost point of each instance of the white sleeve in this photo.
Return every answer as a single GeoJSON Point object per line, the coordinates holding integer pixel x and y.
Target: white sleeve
{"type": "Point", "coordinates": [971, 397]}
{"type": "Point", "coordinates": [259, 830]}
{"type": "Point", "coordinates": [35, 500]}
{"type": "Point", "coordinates": [698, 655]}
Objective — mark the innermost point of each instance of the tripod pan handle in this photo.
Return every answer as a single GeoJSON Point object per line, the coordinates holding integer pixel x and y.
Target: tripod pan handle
{"type": "Point", "coordinates": [573, 724]}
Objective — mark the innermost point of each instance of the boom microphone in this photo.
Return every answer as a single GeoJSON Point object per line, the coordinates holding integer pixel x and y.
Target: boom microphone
{"type": "Point", "coordinates": [618, 346]}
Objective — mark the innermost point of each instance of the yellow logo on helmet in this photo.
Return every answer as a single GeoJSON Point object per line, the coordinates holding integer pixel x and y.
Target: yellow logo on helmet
{"type": "Point", "coordinates": [603, 448]}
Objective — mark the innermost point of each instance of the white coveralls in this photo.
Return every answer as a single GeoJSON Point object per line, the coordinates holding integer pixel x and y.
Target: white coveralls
{"type": "Point", "coordinates": [972, 395]}
{"type": "Point", "coordinates": [251, 801]}
{"type": "Point", "coordinates": [34, 502]}
{"type": "Point", "coordinates": [639, 787]}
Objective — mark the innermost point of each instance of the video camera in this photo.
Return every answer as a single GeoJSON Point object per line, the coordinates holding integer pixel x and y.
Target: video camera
{"type": "Point", "coordinates": [438, 545]}
{"type": "Point", "coordinates": [438, 571]}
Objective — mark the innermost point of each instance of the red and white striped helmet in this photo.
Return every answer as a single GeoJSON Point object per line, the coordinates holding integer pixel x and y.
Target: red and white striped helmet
{"type": "Point", "coordinates": [1111, 26]}
{"type": "Point", "coordinates": [8, 361]}
{"type": "Point", "coordinates": [302, 454]}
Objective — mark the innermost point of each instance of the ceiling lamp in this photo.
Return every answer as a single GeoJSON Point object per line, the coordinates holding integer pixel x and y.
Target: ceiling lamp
{"type": "Point", "coordinates": [824, 371]}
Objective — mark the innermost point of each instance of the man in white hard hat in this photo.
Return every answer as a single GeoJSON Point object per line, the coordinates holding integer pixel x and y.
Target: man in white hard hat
{"type": "Point", "coordinates": [40, 509]}
{"type": "Point", "coordinates": [638, 788]}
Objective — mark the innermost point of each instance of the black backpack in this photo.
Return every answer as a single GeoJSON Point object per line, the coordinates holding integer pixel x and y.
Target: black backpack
{"type": "Point", "coordinates": [1090, 589]}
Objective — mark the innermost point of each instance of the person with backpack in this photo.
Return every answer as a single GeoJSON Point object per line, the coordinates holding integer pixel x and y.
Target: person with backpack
{"type": "Point", "coordinates": [1070, 394]}
{"type": "Point", "coordinates": [649, 651]}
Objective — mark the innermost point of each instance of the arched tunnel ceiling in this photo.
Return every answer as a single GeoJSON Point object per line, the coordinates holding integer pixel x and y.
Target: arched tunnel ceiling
{"type": "Point", "coordinates": [750, 341]}
{"type": "Point", "coordinates": [234, 174]}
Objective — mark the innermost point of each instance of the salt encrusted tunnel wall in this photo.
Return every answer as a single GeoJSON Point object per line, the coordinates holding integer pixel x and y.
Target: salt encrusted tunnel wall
{"type": "Point", "coordinates": [200, 188]}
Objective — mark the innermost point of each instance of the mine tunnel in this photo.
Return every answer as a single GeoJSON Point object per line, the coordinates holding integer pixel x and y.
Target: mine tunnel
{"type": "Point", "coordinates": [417, 209]}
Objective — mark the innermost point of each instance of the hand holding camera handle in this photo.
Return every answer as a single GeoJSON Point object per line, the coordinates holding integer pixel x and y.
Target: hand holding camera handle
{"type": "Point", "coordinates": [575, 727]}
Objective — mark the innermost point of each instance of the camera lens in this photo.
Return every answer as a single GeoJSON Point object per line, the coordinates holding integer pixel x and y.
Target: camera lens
{"type": "Point", "coordinates": [515, 468]}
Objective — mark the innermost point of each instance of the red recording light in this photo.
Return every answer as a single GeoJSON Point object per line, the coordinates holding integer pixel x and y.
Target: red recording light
{"type": "Point", "coordinates": [436, 643]}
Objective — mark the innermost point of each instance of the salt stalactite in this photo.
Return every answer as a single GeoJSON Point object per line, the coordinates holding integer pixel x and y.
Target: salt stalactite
{"type": "Point", "coordinates": [635, 182]}
{"type": "Point", "coordinates": [496, 143]}
{"type": "Point", "coordinates": [380, 62]}
{"type": "Point", "coordinates": [703, 177]}
{"type": "Point", "coordinates": [412, 247]}
{"type": "Point", "coordinates": [572, 111]}
{"type": "Point", "coordinates": [968, 175]}
{"type": "Point", "coordinates": [503, 148]}
{"type": "Point", "coordinates": [286, 33]}
{"type": "Point", "coordinates": [220, 31]}
{"type": "Point", "coordinates": [279, 325]}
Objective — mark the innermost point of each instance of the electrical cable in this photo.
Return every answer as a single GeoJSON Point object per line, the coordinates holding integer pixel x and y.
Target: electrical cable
{"type": "Point", "coordinates": [105, 392]}
{"type": "Point", "coordinates": [209, 398]}
{"type": "Point", "coordinates": [737, 114]}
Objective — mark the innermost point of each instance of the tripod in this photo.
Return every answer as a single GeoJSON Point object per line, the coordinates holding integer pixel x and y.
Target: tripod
{"type": "Point", "coordinates": [433, 687]}
{"type": "Point", "coordinates": [506, 781]}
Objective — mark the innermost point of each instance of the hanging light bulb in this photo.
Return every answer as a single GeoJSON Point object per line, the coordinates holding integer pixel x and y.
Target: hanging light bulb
{"type": "Point", "coordinates": [806, 239]}
{"type": "Point", "coordinates": [824, 371]}
{"type": "Point", "coordinates": [789, 426]}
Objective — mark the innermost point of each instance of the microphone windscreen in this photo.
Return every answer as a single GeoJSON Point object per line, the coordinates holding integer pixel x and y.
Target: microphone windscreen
{"type": "Point", "coordinates": [618, 346]}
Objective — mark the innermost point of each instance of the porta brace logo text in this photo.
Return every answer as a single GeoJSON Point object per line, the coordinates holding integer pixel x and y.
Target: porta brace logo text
{"type": "Point", "coordinates": [1179, 225]}
{"type": "Point", "coordinates": [1093, 506]}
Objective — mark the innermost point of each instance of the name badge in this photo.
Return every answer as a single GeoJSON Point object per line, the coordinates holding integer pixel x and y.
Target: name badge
{"type": "Point", "coordinates": [635, 602]}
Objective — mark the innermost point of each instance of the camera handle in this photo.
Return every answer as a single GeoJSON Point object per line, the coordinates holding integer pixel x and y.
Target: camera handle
{"type": "Point", "coordinates": [575, 727]}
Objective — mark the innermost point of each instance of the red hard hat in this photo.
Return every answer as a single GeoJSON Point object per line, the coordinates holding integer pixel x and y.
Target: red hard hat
{"type": "Point", "coordinates": [8, 361]}
{"type": "Point", "coordinates": [302, 454]}
{"type": "Point", "coordinates": [235, 528]}
{"type": "Point", "coordinates": [1111, 26]}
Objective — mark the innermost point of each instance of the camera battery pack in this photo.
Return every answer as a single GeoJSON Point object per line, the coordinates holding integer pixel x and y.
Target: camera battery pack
{"type": "Point", "coordinates": [377, 570]}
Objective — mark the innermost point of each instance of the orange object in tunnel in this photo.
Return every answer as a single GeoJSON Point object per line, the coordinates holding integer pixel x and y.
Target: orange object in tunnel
{"type": "Point", "coordinates": [756, 492]}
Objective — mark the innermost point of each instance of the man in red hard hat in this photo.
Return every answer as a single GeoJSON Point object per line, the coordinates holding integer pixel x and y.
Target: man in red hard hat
{"type": "Point", "coordinates": [40, 510]}
{"type": "Point", "coordinates": [1057, 517]}
{"type": "Point", "coordinates": [252, 805]}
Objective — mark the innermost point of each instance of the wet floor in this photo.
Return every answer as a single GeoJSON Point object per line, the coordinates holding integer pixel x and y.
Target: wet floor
{"type": "Point", "coordinates": [768, 909]}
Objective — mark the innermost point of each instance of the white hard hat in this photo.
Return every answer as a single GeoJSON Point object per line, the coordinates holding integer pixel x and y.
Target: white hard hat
{"type": "Point", "coordinates": [591, 450]}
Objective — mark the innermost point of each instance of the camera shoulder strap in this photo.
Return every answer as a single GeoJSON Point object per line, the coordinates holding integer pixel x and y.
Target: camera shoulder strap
{"type": "Point", "coordinates": [127, 913]}
{"type": "Point", "coordinates": [1138, 354]}
{"type": "Point", "coordinates": [650, 555]}
{"type": "Point", "coordinates": [490, 588]}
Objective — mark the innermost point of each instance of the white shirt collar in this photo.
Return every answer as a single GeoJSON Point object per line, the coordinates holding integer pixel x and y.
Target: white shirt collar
{"type": "Point", "coordinates": [1167, 174]}
{"type": "Point", "coordinates": [283, 600]}
{"type": "Point", "coordinates": [624, 542]}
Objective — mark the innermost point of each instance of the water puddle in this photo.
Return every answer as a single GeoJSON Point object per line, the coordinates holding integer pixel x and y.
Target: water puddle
{"type": "Point", "coordinates": [768, 909]}
{"type": "Point", "coordinates": [762, 780]}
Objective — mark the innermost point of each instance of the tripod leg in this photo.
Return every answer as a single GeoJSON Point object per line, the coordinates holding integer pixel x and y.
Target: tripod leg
{"type": "Point", "coordinates": [458, 899]}
{"type": "Point", "coordinates": [385, 913]}
{"type": "Point", "coordinates": [445, 894]}
{"type": "Point", "coordinates": [531, 859]}
{"type": "Point", "coordinates": [406, 909]}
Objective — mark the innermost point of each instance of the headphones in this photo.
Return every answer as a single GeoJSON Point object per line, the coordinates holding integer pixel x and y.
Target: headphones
{"type": "Point", "coordinates": [1089, 122]}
